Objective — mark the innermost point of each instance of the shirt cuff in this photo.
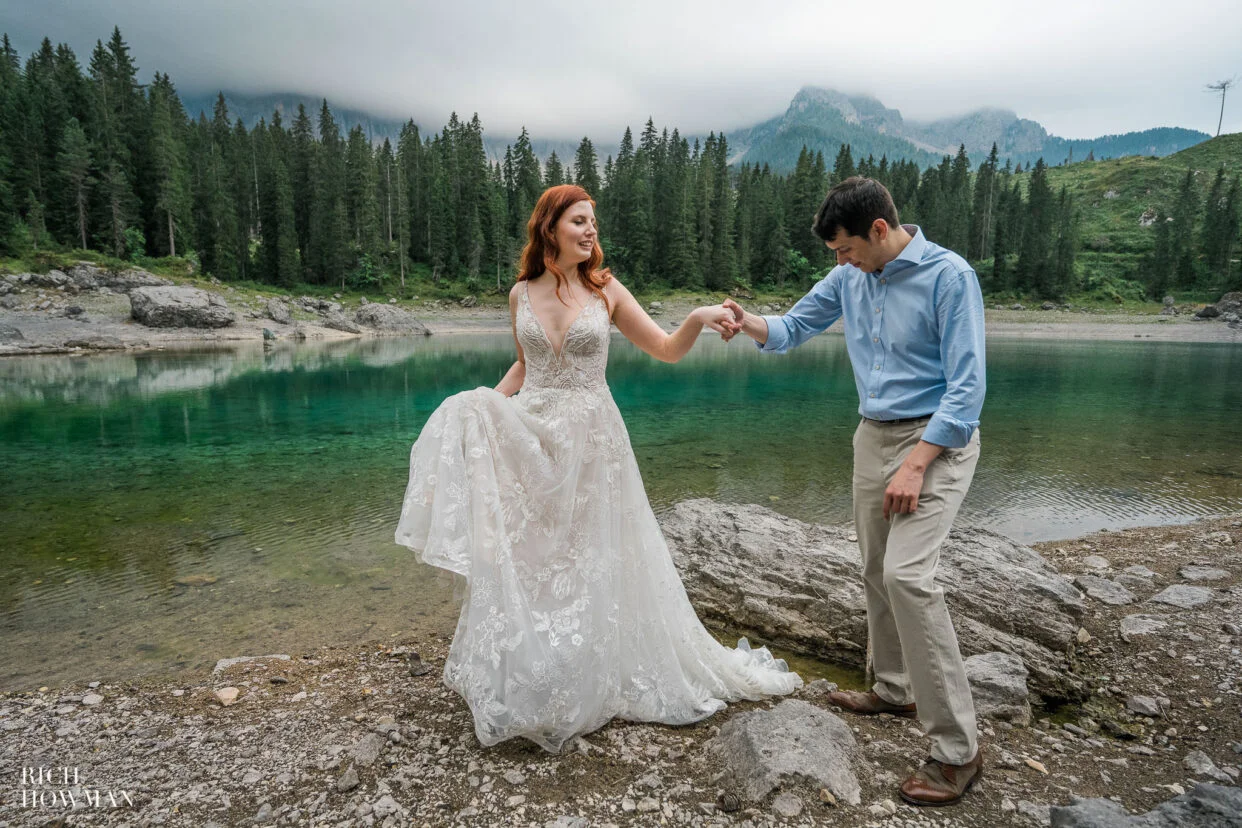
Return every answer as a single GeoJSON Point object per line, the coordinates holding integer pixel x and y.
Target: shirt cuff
{"type": "Point", "coordinates": [943, 430]}
{"type": "Point", "coordinates": [778, 336]}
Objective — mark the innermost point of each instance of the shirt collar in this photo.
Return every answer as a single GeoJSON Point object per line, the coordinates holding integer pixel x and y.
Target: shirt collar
{"type": "Point", "coordinates": [912, 253]}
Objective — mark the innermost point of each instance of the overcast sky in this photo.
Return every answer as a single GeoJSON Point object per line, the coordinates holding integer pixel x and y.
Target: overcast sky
{"type": "Point", "coordinates": [567, 69]}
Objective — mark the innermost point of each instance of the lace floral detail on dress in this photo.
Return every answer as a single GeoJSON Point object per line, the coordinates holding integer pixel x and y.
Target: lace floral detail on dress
{"type": "Point", "coordinates": [583, 356]}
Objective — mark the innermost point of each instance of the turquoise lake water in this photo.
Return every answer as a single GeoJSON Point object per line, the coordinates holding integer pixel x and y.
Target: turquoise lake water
{"type": "Point", "coordinates": [164, 509]}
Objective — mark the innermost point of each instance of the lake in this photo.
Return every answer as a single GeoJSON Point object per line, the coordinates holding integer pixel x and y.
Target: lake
{"type": "Point", "coordinates": [161, 510]}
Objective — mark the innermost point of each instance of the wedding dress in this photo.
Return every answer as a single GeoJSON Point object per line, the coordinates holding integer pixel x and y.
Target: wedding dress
{"type": "Point", "coordinates": [573, 612]}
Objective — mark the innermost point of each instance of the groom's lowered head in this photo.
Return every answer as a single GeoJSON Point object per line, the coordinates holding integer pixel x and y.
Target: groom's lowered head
{"type": "Point", "coordinates": [858, 222]}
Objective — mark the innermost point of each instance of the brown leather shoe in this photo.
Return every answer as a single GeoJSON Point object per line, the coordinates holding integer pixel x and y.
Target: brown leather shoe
{"type": "Point", "coordinates": [938, 783]}
{"type": "Point", "coordinates": [869, 704]}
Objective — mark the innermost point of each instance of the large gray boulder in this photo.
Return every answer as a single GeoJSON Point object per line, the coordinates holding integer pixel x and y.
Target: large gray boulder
{"type": "Point", "coordinates": [1203, 806]}
{"type": "Point", "coordinates": [390, 318]}
{"type": "Point", "coordinates": [1230, 303]}
{"type": "Point", "coordinates": [179, 307]}
{"type": "Point", "coordinates": [338, 321]}
{"type": "Point", "coordinates": [799, 586]}
{"type": "Point", "coordinates": [795, 740]}
{"type": "Point", "coordinates": [278, 311]}
{"type": "Point", "coordinates": [86, 276]}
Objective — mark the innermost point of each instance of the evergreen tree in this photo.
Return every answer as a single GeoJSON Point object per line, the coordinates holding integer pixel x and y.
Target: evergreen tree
{"type": "Point", "coordinates": [362, 218]}
{"type": "Point", "coordinates": [1182, 233]}
{"type": "Point", "coordinates": [1219, 234]}
{"type": "Point", "coordinates": [1160, 264]}
{"type": "Point", "coordinates": [301, 179]}
{"type": "Point", "coordinates": [219, 230]}
{"type": "Point", "coordinates": [1033, 272]}
{"type": "Point", "coordinates": [74, 167]}
{"type": "Point", "coordinates": [585, 169]}
{"type": "Point", "coordinates": [329, 223]}
{"type": "Point", "coordinates": [1064, 248]}
{"type": "Point", "coordinates": [843, 167]}
{"type": "Point", "coordinates": [554, 172]}
{"type": "Point", "coordinates": [982, 218]}
{"type": "Point", "coordinates": [279, 257]}
{"type": "Point", "coordinates": [170, 166]}
{"type": "Point", "coordinates": [957, 200]}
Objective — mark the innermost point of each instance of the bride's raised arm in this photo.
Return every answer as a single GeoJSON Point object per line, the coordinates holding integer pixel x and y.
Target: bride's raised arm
{"type": "Point", "coordinates": [634, 323]}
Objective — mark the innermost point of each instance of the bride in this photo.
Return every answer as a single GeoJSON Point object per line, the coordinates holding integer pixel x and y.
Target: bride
{"type": "Point", "coordinates": [573, 612]}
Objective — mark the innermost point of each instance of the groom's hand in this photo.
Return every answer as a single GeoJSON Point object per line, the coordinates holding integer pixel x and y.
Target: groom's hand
{"type": "Point", "coordinates": [739, 316]}
{"type": "Point", "coordinates": [902, 495]}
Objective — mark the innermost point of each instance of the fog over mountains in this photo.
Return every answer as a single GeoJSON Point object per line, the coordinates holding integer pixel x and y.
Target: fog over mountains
{"type": "Point", "coordinates": [821, 119]}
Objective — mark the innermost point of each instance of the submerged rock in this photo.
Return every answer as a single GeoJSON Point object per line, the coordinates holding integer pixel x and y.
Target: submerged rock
{"type": "Point", "coordinates": [799, 586]}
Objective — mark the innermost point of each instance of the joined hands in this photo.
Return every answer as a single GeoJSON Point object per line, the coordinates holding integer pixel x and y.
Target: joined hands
{"type": "Point", "coordinates": [725, 318]}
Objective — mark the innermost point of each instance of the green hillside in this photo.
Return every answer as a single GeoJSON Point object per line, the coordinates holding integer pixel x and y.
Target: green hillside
{"type": "Point", "coordinates": [1118, 199]}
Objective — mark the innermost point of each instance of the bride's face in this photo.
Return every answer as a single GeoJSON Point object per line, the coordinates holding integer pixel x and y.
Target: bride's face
{"type": "Point", "coordinates": [576, 232]}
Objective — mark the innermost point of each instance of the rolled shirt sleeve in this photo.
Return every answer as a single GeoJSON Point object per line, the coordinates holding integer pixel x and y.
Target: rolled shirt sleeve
{"type": "Point", "coordinates": [959, 312]}
{"type": "Point", "coordinates": [812, 314]}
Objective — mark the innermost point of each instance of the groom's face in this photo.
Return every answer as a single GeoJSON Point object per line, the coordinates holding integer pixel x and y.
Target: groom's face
{"type": "Point", "coordinates": [858, 251]}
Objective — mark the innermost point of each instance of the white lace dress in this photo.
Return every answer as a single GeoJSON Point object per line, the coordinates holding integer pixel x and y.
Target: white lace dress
{"type": "Point", "coordinates": [574, 612]}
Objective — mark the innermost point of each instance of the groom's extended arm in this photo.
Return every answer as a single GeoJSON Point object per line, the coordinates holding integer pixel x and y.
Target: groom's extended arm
{"type": "Point", "coordinates": [813, 314]}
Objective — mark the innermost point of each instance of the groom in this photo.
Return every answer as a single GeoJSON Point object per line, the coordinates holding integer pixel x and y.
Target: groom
{"type": "Point", "coordinates": [913, 324]}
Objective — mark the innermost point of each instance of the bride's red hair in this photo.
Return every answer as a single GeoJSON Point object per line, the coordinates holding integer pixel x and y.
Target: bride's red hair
{"type": "Point", "coordinates": [541, 250]}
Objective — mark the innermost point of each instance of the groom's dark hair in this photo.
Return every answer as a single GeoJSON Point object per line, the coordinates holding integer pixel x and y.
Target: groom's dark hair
{"type": "Point", "coordinates": [853, 206]}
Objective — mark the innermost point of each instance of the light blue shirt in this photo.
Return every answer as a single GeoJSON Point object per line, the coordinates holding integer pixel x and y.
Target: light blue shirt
{"type": "Point", "coordinates": [914, 334]}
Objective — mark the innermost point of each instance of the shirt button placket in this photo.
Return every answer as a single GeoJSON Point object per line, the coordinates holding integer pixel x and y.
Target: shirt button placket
{"type": "Point", "coordinates": [875, 337]}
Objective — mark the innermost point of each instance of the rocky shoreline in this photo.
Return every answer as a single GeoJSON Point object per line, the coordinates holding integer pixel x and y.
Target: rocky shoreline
{"type": "Point", "coordinates": [1141, 626]}
{"type": "Point", "coordinates": [87, 309]}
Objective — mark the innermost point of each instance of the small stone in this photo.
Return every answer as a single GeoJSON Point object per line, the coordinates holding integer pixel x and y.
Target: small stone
{"type": "Point", "coordinates": [1202, 573]}
{"type": "Point", "coordinates": [1200, 764]}
{"type": "Point", "coordinates": [1183, 596]}
{"type": "Point", "coordinates": [1147, 706]}
{"type": "Point", "coordinates": [264, 814]}
{"type": "Point", "coordinates": [1037, 812]}
{"type": "Point", "coordinates": [1035, 764]}
{"type": "Point", "coordinates": [384, 806]}
{"type": "Point", "coordinates": [253, 775]}
{"type": "Point", "coordinates": [787, 805]}
{"type": "Point", "coordinates": [1083, 636]}
{"type": "Point", "coordinates": [629, 805]}
{"type": "Point", "coordinates": [648, 804]}
{"type": "Point", "coordinates": [227, 695]}
{"type": "Point", "coordinates": [348, 780]}
{"type": "Point", "coordinates": [826, 797]}
{"type": "Point", "coordinates": [1134, 626]}
{"type": "Point", "coordinates": [1101, 589]}
{"type": "Point", "coordinates": [91, 699]}
{"type": "Point", "coordinates": [514, 777]}
{"type": "Point", "coordinates": [1096, 562]}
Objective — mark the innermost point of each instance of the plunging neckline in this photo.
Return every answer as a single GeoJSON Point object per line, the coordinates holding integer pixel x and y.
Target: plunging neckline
{"type": "Point", "coordinates": [556, 353]}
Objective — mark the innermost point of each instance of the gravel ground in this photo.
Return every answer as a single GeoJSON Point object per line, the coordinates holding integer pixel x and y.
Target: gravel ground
{"type": "Point", "coordinates": [370, 736]}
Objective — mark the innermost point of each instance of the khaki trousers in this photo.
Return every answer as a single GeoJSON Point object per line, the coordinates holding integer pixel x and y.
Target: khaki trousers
{"type": "Point", "coordinates": [914, 649]}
